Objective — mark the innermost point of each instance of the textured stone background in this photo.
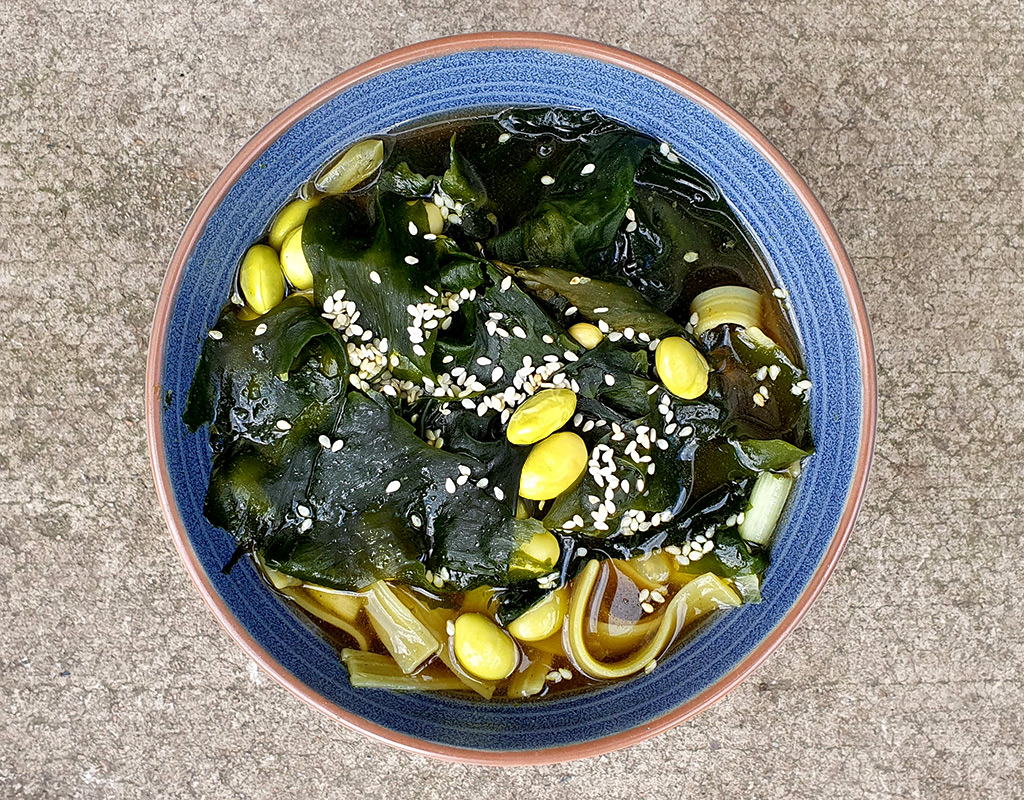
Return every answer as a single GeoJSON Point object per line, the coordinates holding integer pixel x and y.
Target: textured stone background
{"type": "Point", "coordinates": [903, 681]}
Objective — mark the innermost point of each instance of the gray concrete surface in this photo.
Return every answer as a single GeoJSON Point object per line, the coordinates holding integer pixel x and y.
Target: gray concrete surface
{"type": "Point", "coordinates": [903, 681]}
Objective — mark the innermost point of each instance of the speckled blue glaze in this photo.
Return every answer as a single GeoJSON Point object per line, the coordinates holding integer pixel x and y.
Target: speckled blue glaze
{"type": "Point", "coordinates": [801, 263]}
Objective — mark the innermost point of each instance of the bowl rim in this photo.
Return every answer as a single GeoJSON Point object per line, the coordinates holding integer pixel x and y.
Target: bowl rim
{"type": "Point", "coordinates": [432, 49]}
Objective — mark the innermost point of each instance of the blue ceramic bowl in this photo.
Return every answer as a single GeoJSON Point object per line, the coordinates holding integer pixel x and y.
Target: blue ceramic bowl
{"type": "Point", "coordinates": [519, 69]}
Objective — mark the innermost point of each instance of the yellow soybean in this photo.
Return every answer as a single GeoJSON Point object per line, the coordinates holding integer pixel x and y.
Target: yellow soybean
{"type": "Point", "coordinates": [435, 220]}
{"type": "Point", "coordinates": [261, 278]}
{"type": "Point", "coordinates": [483, 649]}
{"type": "Point", "coordinates": [293, 261]}
{"type": "Point", "coordinates": [246, 313]}
{"type": "Point", "coordinates": [541, 415]}
{"type": "Point", "coordinates": [288, 219]}
{"type": "Point", "coordinates": [355, 165]}
{"type": "Point", "coordinates": [681, 368]}
{"type": "Point", "coordinates": [553, 466]}
{"type": "Point", "coordinates": [588, 335]}
{"type": "Point", "coordinates": [542, 548]}
{"type": "Point", "coordinates": [542, 619]}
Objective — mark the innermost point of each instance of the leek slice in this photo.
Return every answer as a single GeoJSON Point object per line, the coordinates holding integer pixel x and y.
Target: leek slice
{"type": "Point", "coordinates": [346, 605]}
{"type": "Point", "coordinates": [530, 680]}
{"type": "Point", "coordinates": [737, 305]}
{"type": "Point", "coordinates": [374, 671]}
{"type": "Point", "coordinates": [765, 507]}
{"type": "Point", "coordinates": [302, 599]}
{"type": "Point", "coordinates": [404, 636]}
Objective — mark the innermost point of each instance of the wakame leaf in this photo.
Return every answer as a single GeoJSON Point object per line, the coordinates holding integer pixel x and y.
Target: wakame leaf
{"type": "Point", "coordinates": [581, 207]}
{"type": "Point", "coordinates": [374, 270]}
{"type": "Point", "coordinates": [741, 360]}
{"type": "Point", "coordinates": [768, 455]}
{"type": "Point", "coordinates": [404, 181]}
{"type": "Point", "coordinates": [268, 387]}
{"type": "Point", "coordinates": [288, 364]}
{"type": "Point", "coordinates": [361, 531]}
{"type": "Point", "coordinates": [623, 307]}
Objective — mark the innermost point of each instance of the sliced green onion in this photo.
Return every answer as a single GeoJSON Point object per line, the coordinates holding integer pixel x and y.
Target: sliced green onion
{"type": "Point", "coordinates": [355, 165]}
{"type": "Point", "coordinates": [530, 680]}
{"type": "Point", "coordinates": [374, 671]}
{"type": "Point", "coordinates": [737, 305]}
{"type": "Point", "coordinates": [765, 507]}
{"type": "Point", "coordinates": [404, 636]}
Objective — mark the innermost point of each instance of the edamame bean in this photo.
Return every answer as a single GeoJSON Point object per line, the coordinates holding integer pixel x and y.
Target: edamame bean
{"type": "Point", "coordinates": [681, 368]}
{"type": "Point", "coordinates": [261, 278]}
{"type": "Point", "coordinates": [355, 165]}
{"type": "Point", "coordinates": [289, 218]}
{"type": "Point", "coordinates": [542, 548]}
{"type": "Point", "coordinates": [483, 649]}
{"type": "Point", "coordinates": [541, 415]}
{"type": "Point", "coordinates": [588, 335]}
{"type": "Point", "coordinates": [553, 466]}
{"type": "Point", "coordinates": [293, 261]}
{"type": "Point", "coordinates": [542, 619]}
{"type": "Point", "coordinates": [435, 220]}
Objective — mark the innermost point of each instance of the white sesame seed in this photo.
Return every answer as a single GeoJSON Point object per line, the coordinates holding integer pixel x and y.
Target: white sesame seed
{"type": "Point", "coordinates": [587, 169]}
{"type": "Point", "coordinates": [284, 425]}
{"type": "Point", "coordinates": [782, 294]}
{"type": "Point", "coordinates": [325, 441]}
{"type": "Point", "coordinates": [393, 487]}
{"type": "Point", "coordinates": [664, 149]}
{"type": "Point", "coordinates": [601, 310]}
{"type": "Point", "coordinates": [260, 329]}
{"type": "Point", "coordinates": [411, 260]}
{"type": "Point", "coordinates": [644, 594]}
{"type": "Point", "coordinates": [570, 311]}
{"type": "Point", "coordinates": [773, 371]}
{"type": "Point", "coordinates": [609, 379]}
{"type": "Point", "coordinates": [482, 483]}
{"type": "Point", "coordinates": [690, 257]}
{"type": "Point", "coordinates": [603, 326]}
{"type": "Point", "coordinates": [686, 431]}
{"type": "Point", "coordinates": [484, 361]}
{"type": "Point", "coordinates": [449, 485]}
{"type": "Point", "coordinates": [647, 607]}
{"type": "Point", "coordinates": [306, 525]}
{"type": "Point", "coordinates": [650, 666]}
{"type": "Point", "coordinates": [496, 374]}
{"type": "Point", "coordinates": [215, 335]}
{"type": "Point", "coordinates": [504, 138]}
{"type": "Point", "coordinates": [374, 276]}
{"type": "Point", "coordinates": [303, 511]}
{"type": "Point", "coordinates": [547, 180]}
{"type": "Point", "coordinates": [338, 444]}
{"type": "Point", "coordinates": [498, 493]}
{"type": "Point", "coordinates": [418, 350]}
{"type": "Point", "coordinates": [630, 214]}
{"type": "Point", "coordinates": [519, 332]}
{"type": "Point", "coordinates": [506, 283]}
{"type": "Point", "coordinates": [758, 400]}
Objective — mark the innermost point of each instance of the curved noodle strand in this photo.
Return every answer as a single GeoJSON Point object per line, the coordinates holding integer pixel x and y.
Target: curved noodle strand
{"type": "Point", "coordinates": [586, 662]}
